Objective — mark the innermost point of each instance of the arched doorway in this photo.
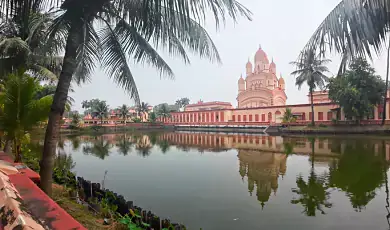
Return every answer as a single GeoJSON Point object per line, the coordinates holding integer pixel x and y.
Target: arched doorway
{"type": "Point", "coordinates": [278, 117]}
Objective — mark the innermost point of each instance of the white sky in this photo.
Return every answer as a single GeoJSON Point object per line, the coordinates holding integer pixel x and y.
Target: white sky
{"type": "Point", "coordinates": [282, 27]}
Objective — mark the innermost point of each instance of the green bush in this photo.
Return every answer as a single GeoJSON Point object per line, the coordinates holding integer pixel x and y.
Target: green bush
{"type": "Point", "coordinates": [323, 126]}
{"type": "Point", "coordinates": [136, 119]}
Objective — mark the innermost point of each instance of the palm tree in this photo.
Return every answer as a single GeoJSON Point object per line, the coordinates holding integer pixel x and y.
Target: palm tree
{"type": "Point", "coordinates": [288, 116]}
{"type": "Point", "coordinates": [143, 108]}
{"type": "Point", "coordinates": [101, 111]}
{"type": "Point", "coordinates": [24, 48]}
{"type": "Point", "coordinates": [310, 69]}
{"type": "Point", "coordinates": [76, 118]}
{"type": "Point", "coordinates": [123, 112]}
{"type": "Point", "coordinates": [126, 28]}
{"type": "Point", "coordinates": [21, 112]}
{"type": "Point", "coordinates": [355, 28]}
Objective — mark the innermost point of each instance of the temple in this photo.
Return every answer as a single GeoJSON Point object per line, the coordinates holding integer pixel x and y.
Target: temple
{"type": "Point", "coordinates": [261, 100]}
{"type": "Point", "coordinates": [261, 87]}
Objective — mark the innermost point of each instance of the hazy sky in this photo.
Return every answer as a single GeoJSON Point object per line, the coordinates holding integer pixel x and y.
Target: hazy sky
{"type": "Point", "coordinates": [282, 27]}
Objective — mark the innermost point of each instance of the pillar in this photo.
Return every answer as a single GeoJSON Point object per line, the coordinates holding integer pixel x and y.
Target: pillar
{"type": "Point", "coordinates": [387, 110]}
{"type": "Point", "coordinates": [376, 115]}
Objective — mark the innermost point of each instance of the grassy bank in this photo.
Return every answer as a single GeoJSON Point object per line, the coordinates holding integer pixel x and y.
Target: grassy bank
{"type": "Point", "coordinates": [96, 130]}
{"type": "Point", "coordinates": [79, 212]}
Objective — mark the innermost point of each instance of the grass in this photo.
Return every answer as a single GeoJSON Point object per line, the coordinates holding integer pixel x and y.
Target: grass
{"type": "Point", "coordinates": [77, 211]}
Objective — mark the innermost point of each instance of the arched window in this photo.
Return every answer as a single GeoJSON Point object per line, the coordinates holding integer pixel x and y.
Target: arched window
{"type": "Point", "coordinates": [269, 116]}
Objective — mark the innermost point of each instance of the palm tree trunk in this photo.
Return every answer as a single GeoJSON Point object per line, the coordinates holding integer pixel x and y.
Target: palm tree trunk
{"type": "Point", "coordinates": [387, 85]}
{"type": "Point", "coordinates": [18, 157]}
{"type": "Point", "coordinates": [7, 146]}
{"type": "Point", "coordinates": [57, 110]}
{"type": "Point", "coordinates": [312, 106]}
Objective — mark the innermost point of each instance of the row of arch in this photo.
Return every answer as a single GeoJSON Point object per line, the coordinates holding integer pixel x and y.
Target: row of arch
{"type": "Point", "coordinates": [256, 117]}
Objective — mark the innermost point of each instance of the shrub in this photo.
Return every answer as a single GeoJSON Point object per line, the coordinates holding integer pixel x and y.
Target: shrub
{"type": "Point", "coordinates": [323, 126]}
{"type": "Point", "coordinates": [334, 121]}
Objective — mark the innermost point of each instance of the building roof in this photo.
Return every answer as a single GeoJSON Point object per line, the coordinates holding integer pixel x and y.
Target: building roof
{"type": "Point", "coordinates": [201, 103]}
{"type": "Point", "coordinates": [261, 56]}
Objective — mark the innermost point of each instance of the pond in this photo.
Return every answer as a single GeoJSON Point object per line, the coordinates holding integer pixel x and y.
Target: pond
{"type": "Point", "coordinates": [226, 181]}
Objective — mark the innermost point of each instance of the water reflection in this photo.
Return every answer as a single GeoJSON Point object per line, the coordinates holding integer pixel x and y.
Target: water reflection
{"type": "Point", "coordinates": [263, 170]}
{"type": "Point", "coordinates": [98, 147]}
{"type": "Point", "coordinates": [359, 171]}
{"type": "Point", "coordinates": [354, 167]}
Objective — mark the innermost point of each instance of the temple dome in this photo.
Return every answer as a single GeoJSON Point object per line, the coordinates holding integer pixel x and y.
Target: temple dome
{"type": "Point", "coordinates": [272, 65]}
{"type": "Point", "coordinates": [248, 64]}
{"type": "Point", "coordinates": [241, 80]}
{"type": "Point", "coordinates": [281, 80]}
{"type": "Point", "coordinates": [261, 56]}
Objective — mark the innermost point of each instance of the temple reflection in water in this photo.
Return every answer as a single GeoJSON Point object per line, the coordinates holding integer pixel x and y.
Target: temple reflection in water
{"type": "Point", "coordinates": [263, 159]}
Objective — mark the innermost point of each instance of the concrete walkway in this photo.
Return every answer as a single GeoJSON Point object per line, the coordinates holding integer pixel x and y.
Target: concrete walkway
{"type": "Point", "coordinates": [23, 205]}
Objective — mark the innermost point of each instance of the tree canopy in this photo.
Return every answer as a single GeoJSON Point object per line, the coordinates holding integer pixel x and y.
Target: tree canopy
{"type": "Point", "coordinates": [357, 91]}
{"type": "Point", "coordinates": [182, 102]}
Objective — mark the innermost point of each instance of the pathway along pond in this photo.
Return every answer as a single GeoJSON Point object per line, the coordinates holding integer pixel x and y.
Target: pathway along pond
{"type": "Point", "coordinates": [220, 181]}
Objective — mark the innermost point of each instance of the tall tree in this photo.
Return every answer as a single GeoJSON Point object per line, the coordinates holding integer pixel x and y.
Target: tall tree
{"type": "Point", "coordinates": [124, 112]}
{"type": "Point", "coordinates": [310, 69]}
{"type": "Point", "coordinates": [357, 91]}
{"type": "Point", "coordinates": [143, 107]}
{"type": "Point", "coordinates": [355, 28]}
{"type": "Point", "coordinates": [23, 46]}
{"type": "Point", "coordinates": [182, 102]}
{"type": "Point", "coordinates": [101, 111]}
{"type": "Point", "coordinates": [126, 28]}
{"type": "Point", "coordinates": [142, 110]}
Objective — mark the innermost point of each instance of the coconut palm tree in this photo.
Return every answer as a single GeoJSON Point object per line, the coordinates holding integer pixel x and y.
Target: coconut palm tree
{"type": "Point", "coordinates": [23, 47]}
{"type": "Point", "coordinates": [355, 28]}
{"type": "Point", "coordinates": [21, 111]}
{"type": "Point", "coordinates": [288, 116]}
{"type": "Point", "coordinates": [76, 119]}
{"type": "Point", "coordinates": [126, 28]}
{"type": "Point", "coordinates": [123, 112]}
{"type": "Point", "coordinates": [101, 111]}
{"type": "Point", "coordinates": [310, 69]}
{"type": "Point", "coordinates": [142, 110]}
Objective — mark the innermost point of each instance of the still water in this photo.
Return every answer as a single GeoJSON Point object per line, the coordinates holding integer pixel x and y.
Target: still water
{"type": "Point", "coordinates": [221, 181]}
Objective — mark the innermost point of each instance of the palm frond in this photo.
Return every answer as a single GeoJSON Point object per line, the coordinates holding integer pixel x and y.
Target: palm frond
{"type": "Point", "coordinates": [138, 47]}
{"type": "Point", "coordinates": [353, 26]}
{"type": "Point", "coordinates": [88, 53]}
{"type": "Point", "coordinates": [115, 63]}
{"type": "Point", "coordinates": [42, 74]}
{"type": "Point", "coordinates": [9, 46]}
